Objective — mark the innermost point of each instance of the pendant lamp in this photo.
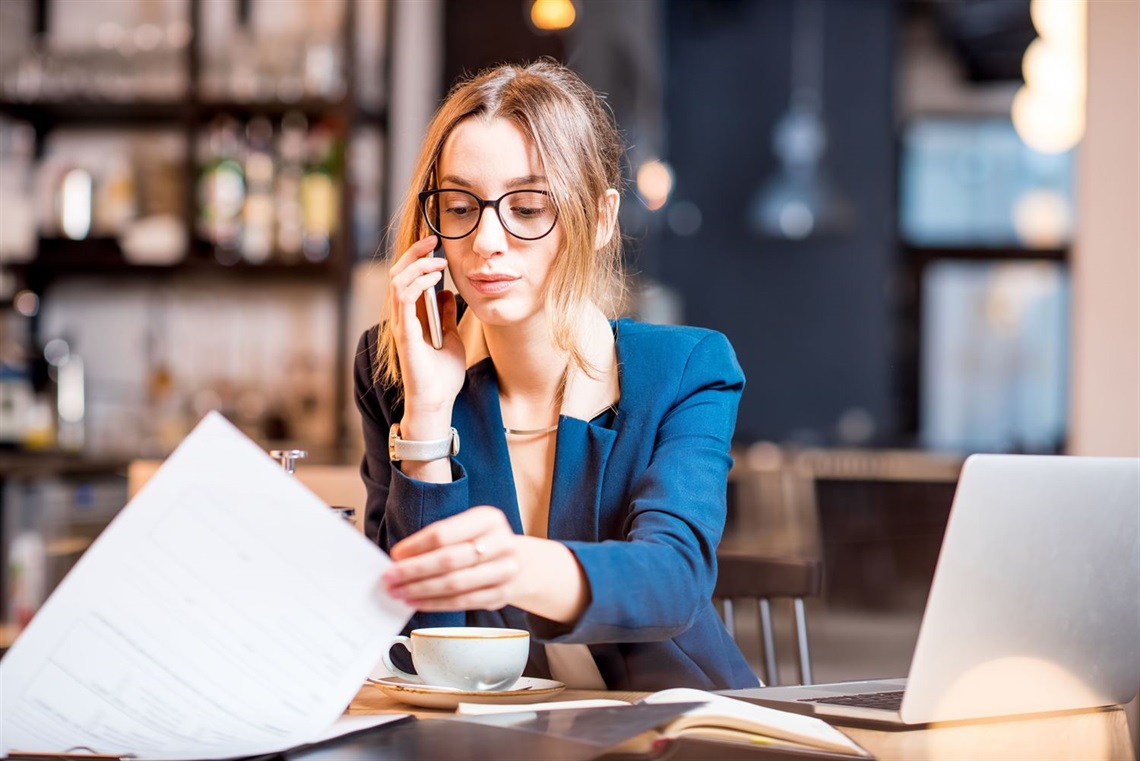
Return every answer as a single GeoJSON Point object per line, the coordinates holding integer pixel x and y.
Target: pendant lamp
{"type": "Point", "coordinates": [800, 200]}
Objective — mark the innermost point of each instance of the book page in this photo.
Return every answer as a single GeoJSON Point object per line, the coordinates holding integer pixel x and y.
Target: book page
{"type": "Point", "coordinates": [483, 709]}
{"type": "Point", "coordinates": [729, 713]}
{"type": "Point", "coordinates": [225, 612]}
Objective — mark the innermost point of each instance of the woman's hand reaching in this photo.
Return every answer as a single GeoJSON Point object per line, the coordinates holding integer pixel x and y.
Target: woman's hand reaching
{"type": "Point", "coordinates": [474, 561]}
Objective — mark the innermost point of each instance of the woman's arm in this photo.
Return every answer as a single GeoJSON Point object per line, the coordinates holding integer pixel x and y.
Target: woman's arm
{"type": "Point", "coordinates": [649, 582]}
{"type": "Point", "coordinates": [646, 584]}
{"type": "Point", "coordinates": [395, 502]}
{"type": "Point", "coordinates": [554, 587]}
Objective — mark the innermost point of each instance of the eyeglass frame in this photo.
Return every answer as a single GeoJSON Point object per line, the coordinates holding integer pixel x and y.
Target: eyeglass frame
{"type": "Point", "coordinates": [483, 204]}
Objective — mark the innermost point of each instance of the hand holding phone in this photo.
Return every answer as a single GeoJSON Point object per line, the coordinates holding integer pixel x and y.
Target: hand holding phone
{"type": "Point", "coordinates": [431, 306]}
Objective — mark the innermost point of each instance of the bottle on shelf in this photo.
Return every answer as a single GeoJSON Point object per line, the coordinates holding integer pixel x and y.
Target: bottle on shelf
{"type": "Point", "coordinates": [258, 213]}
{"type": "Point", "coordinates": [221, 191]}
{"type": "Point", "coordinates": [18, 233]}
{"type": "Point", "coordinates": [40, 424]}
{"type": "Point", "coordinates": [287, 189]}
{"type": "Point", "coordinates": [65, 368]}
{"type": "Point", "coordinates": [320, 200]}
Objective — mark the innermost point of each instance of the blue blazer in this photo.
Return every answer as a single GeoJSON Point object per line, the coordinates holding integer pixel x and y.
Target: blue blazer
{"type": "Point", "coordinates": [638, 496]}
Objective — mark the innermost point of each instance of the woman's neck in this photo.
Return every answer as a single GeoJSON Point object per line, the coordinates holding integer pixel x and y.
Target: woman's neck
{"type": "Point", "coordinates": [530, 370]}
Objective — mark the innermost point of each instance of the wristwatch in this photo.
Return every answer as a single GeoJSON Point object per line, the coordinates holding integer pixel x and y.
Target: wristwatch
{"type": "Point", "coordinates": [423, 451]}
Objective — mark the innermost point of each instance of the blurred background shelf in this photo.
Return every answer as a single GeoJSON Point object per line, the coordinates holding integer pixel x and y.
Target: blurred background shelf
{"type": "Point", "coordinates": [61, 258]}
{"type": "Point", "coordinates": [92, 113]}
{"type": "Point", "coordinates": [253, 137]}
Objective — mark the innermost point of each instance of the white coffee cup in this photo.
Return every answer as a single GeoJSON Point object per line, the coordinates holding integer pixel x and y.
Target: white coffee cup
{"type": "Point", "coordinates": [464, 657]}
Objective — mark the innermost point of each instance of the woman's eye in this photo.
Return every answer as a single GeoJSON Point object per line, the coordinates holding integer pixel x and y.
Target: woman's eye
{"type": "Point", "coordinates": [457, 211]}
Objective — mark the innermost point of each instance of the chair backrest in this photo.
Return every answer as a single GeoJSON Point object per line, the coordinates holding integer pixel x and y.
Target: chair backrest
{"type": "Point", "coordinates": [338, 485]}
{"type": "Point", "coordinates": [742, 574]}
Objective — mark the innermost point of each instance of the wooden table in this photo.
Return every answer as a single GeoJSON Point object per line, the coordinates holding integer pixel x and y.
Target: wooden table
{"type": "Point", "coordinates": [1086, 735]}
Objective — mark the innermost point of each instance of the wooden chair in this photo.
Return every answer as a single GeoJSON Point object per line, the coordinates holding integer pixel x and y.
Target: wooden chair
{"type": "Point", "coordinates": [744, 575]}
{"type": "Point", "coordinates": [773, 547]}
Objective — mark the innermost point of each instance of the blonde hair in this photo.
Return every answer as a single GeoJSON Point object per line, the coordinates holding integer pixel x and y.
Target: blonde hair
{"type": "Point", "coordinates": [580, 151]}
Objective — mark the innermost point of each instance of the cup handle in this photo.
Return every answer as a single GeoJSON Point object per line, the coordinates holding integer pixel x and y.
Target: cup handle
{"type": "Point", "coordinates": [406, 642]}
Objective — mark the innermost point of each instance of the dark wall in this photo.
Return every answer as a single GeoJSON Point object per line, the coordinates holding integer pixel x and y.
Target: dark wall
{"type": "Point", "coordinates": [811, 320]}
{"type": "Point", "coordinates": [485, 33]}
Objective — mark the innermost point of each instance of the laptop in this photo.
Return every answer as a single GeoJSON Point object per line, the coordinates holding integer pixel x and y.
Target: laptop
{"type": "Point", "coordinates": [1034, 607]}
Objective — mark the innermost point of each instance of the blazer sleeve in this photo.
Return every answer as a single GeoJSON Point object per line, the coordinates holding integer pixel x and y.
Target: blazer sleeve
{"type": "Point", "coordinates": [651, 583]}
{"type": "Point", "coordinates": [396, 505]}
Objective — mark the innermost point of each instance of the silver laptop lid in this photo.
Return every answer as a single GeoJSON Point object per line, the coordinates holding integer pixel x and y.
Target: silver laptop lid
{"type": "Point", "coordinates": [1035, 604]}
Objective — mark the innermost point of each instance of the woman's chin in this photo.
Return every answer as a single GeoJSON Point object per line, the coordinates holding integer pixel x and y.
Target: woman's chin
{"type": "Point", "coordinates": [498, 312]}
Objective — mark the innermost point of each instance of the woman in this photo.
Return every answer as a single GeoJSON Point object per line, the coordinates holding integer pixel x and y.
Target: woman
{"type": "Point", "coordinates": [547, 468]}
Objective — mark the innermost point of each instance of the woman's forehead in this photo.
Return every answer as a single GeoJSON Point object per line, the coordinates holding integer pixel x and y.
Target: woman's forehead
{"type": "Point", "coordinates": [488, 151]}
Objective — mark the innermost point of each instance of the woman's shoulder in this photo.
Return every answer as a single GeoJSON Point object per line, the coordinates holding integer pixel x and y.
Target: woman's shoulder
{"type": "Point", "coordinates": [657, 351]}
{"type": "Point", "coordinates": [667, 339]}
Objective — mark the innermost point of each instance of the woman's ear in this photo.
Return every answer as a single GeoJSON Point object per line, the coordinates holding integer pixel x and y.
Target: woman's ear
{"type": "Point", "coordinates": [608, 206]}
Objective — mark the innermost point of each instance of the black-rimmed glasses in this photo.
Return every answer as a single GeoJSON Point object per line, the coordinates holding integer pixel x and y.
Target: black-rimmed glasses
{"type": "Point", "coordinates": [525, 214]}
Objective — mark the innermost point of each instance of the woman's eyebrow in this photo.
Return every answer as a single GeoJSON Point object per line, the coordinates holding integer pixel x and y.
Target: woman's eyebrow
{"type": "Point", "coordinates": [517, 182]}
{"type": "Point", "coordinates": [530, 179]}
{"type": "Point", "coordinates": [451, 179]}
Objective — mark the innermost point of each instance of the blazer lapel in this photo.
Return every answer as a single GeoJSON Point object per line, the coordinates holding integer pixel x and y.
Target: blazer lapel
{"type": "Point", "coordinates": [584, 446]}
{"type": "Point", "coordinates": [579, 470]}
{"type": "Point", "coordinates": [483, 445]}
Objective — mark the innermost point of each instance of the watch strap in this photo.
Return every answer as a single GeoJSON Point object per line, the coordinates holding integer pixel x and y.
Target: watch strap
{"type": "Point", "coordinates": [422, 451]}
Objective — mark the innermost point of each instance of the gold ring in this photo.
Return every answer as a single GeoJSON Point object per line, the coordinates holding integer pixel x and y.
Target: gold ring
{"type": "Point", "coordinates": [480, 551]}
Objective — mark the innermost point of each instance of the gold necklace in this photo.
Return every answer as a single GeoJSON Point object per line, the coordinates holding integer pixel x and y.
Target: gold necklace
{"type": "Point", "coordinates": [532, 431]}
{"type": "Point", "coordinates": [548, 429]}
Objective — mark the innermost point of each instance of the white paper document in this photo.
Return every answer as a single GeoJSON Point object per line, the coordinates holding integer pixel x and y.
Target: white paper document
{"type": "Point", "coordinates": [226, 611]}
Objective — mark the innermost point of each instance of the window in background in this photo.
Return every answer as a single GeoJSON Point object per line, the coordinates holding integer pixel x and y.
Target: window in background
{"type": "Point", "coordinates": [994, 356]}
{"type": "Point", "coordinates": [986, 222]}
{"type": "Point", "coordinates": [974, 183]}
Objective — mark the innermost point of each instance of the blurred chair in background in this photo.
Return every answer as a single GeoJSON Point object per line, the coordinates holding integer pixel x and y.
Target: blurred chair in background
{"type": "Point", "coordinates": [744, 575]}
{"type": "Point", "coordinates": [772, 548]}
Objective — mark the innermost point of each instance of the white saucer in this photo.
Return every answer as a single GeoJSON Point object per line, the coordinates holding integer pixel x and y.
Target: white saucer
{"type": "Point", "coordinates": [525, 690]}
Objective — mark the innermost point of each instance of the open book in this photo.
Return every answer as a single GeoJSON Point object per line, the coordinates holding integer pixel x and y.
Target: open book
{"type": "Point", "coordinates": [226, 611]}
{"type": "Point", "coordinates": [718, 718]}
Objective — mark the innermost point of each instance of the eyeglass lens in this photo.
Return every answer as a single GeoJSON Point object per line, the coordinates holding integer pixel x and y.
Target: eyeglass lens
{"type": "Point", "coordinates": [526, 214]}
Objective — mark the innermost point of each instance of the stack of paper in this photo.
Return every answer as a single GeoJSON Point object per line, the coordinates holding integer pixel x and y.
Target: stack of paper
{"type": "Point", "coordinates": [225, 612]}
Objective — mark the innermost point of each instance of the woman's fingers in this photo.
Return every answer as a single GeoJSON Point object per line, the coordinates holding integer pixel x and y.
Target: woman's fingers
{"type": "Point", "coordinates": [489, 598]}
{"type": "Point", "coordinates": [464, 527]}
{"type": "Point", "coordinates": [407, 292]}
{"type": "Point", "coordinates": [418, 250]}
{"type": "Point", "coordinates": [413, 282]}
{"type": "Point", "coordinates": [444, 560]}
{"type": "Point", "coordinates": [445, 589]}
{"type": "Point", "coordinates": [456, 562]}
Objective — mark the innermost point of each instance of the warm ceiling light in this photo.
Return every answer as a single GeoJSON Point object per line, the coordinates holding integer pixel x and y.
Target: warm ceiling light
{"type": "Point", "coordinates": [1042, 125]}
{"type": "Point", "coordinates": [552, 15]}
{"type": "Point", "coordinates": [1059, 21]}
{"type": "Point", "coordinates": [1049, 68]}
{"type": "Point", "coordinates": [1041, 219]}
{"type": "Point", "coordinates": [1049, 111]}
{"type": "Point", "coordinates": [654, 183]}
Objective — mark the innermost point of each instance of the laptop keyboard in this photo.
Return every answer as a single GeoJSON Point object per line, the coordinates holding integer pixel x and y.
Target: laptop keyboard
{"type": "Point", "coordinates": [889, 701]}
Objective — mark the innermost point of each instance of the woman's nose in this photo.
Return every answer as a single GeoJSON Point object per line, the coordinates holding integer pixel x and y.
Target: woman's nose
{"type": "Point", "coordinates": [490, 237]}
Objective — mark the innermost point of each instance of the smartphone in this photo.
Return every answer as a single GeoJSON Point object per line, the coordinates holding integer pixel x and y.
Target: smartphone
{"type": "Point", "coordinates": [431, 306]}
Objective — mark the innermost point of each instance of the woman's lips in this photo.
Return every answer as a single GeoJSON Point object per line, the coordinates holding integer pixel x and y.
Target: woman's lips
{"type": "Point", "coordinates": [492, 284]}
